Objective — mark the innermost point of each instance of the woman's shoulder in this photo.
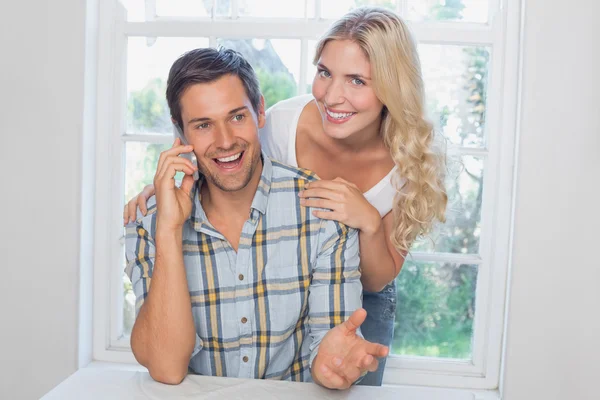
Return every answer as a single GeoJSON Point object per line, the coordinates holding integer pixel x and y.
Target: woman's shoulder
{"type": "Point", "coordinates": [289, 107]}
{"type": "Point", "coordinates": [280, 126]}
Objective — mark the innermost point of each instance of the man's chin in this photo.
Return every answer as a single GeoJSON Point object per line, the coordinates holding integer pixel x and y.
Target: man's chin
{"type": "Point", "coordinates": [231, 183]}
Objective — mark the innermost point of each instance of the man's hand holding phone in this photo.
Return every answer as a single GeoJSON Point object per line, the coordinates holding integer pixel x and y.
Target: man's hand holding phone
{"type": "Point", "coordinates": [174, 203]}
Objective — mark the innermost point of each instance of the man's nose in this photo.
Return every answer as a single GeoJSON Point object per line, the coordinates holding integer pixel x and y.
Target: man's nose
{"type": "Point", "coordinates": [225, 138]}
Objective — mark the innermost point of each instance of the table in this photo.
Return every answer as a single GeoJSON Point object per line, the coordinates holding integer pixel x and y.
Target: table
{"type": "Point", "coordinates": [120, 384]}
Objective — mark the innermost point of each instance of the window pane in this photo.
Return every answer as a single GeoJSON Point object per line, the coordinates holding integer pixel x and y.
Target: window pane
{"type": "Point", "coordinates": [448, 10]}
{"type": "Point", "coordinates": [183, 8]}
{"type": "Point", "coordinates": [136, 9]}
{"type": "Point", "coordinates": [435, 310]}
{"type": "Point", "coordinates": [276, 62]}
{"type": "Point", "coordinates": [335, 9]}
{"type": "Point", "coordinates": [274, 8]}
{"type": "Point", "coordinates": [461, 232]}
{"type": "Point", "coordinates": [128, 303]}
{"type": "Point", "coordinates": [140, 166]}
{"type": "Point", "coordinates": [311, 69]}
{"type": "Point", "coordinates": [456, 90]}
{"type": "Point", "coordinates": [148, 64]}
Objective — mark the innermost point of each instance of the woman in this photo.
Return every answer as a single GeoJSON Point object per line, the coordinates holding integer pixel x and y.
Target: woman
{"type": "Point", "coordinates": [364, 133]}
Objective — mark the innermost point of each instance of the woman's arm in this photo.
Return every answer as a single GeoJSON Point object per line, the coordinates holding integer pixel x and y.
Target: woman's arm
{"type": "Point", "coordinates": [380, 262]}
{"type": "Point", "coordinates": [141, 201]}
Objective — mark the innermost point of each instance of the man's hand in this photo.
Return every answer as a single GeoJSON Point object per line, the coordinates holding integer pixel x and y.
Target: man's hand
{"type": "Point", "coordinates": [344, 356]}
{"type": "Point", "coordinates": [174, 204]}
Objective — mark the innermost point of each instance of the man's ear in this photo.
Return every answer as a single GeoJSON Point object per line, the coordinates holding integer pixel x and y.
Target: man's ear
{"type": "Point", "coordinates": [261, 112]}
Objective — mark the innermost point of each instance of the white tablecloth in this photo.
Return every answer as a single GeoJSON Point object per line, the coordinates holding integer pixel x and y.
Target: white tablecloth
{"type": "Point", "coordinates": [96, 384]}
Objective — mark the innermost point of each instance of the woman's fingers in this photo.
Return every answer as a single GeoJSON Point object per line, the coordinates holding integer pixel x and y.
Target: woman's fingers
{"type": "Point", "coordinates": [143, 197]}
{"type": "Point", "coordinates": [324, 193]}
{"type": "Point", "coordinates": [131, 209]}
{"type": "Point", "coordinates": [319, 203]}
{"type": "Point", "coordinates": [324, 184]}
{"type": "Point", "coordinates": [329, 215]}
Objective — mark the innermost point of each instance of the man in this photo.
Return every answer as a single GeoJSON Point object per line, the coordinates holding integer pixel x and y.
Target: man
{"type": "Point", "coordinates": [244, 281]}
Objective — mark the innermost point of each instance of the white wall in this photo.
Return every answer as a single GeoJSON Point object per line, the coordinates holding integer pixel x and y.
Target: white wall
{"type": "Point", "coordinates": [41, 107]}
{"type": "Point", "coordinates": [553, 347]}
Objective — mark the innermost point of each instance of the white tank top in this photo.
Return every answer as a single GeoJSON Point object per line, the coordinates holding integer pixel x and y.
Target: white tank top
{"type": "Point", "coordinates": [278, 141]}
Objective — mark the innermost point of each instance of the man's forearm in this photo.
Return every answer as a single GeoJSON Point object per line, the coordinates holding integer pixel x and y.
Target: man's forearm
{"type": "Point", "coordinates": [164, 335]}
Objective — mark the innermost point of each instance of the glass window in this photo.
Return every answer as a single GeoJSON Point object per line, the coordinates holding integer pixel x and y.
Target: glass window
{"type": "Point", "coordinates": [435, 306]}
{"type": "Point", "coordinates": [335, 9]}
{"type": "Point", "coordinates": [276, 62]}
{"type": "Point", "coordinates": [187, 8]}
{"type": "Point", "coordinates": [456, 90]}
{"type": "Point", "coordinates": [435, 310]}
{"type": "Point", "coordinates": [448, 10]}
{"type": "Point", "coordinates": [148, 64]}
{"type": "Point", "coordinates": [274, 8]}
{"type": "Point", "coordinates": [461, 232]}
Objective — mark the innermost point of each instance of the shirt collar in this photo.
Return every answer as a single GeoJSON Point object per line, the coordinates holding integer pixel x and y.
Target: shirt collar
{"type": "Point", "coordinates": [259, 202]}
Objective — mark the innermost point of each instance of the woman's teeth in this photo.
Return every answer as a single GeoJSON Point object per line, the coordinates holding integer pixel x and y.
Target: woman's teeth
{"type": "Point", "coordinates": [230, 158]}
{"type": "Point", "coordinates": [339, 115]}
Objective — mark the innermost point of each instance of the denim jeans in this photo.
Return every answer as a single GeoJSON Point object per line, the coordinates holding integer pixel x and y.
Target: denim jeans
{"type": "Point", "coordinates": [379, 325]}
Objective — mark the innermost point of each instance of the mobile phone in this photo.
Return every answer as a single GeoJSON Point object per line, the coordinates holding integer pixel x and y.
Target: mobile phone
{"type": "Point", "coordinates": [178, 133]}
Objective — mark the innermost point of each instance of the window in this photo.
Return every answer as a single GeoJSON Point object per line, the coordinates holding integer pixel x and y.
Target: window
{"type": "Point", "coordinates": [451, 290]}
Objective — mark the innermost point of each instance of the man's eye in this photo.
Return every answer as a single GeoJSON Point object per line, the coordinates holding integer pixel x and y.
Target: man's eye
{"type": "Point", "coordinates": [238, 118]}
{"type": "Point", "coordinates": [203, 126]}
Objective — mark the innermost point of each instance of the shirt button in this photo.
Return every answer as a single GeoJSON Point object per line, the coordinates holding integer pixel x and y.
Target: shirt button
{"type": "Point", "coordinates": [244, 320]}
{"type": "Point", "coordinates": [241, 277]}
{"type": "Point", "coordinates": [245, 358]}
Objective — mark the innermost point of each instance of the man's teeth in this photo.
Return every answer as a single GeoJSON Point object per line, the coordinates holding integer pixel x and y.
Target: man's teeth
{"type": "Point", "coordinates": [339, 115]}
{"type": "Point", "coordinates": [230, 158]}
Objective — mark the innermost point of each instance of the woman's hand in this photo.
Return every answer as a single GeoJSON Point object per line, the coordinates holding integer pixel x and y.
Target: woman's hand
{"type": "Point", "coordinates": [346, 202]}
{"type": "Point", "coordinates": [141, 201]}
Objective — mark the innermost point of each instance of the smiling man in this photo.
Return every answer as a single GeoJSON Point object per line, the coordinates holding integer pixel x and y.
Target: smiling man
{"type": "Point", "coordinates": [232, 276]}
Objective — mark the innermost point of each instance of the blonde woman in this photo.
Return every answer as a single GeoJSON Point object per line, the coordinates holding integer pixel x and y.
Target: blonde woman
{"type": "Point", "coordinates": [363, 132]}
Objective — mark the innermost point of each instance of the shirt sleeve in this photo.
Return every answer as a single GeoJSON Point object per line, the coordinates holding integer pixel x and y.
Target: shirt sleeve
{"type": "Point", "coordinates": [335, 291]}
{"type": "Point", "coordinates": [140, 254]}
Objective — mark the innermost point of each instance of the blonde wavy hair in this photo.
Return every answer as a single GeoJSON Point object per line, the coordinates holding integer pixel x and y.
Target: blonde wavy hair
{"type": "Point", "coordinates": [415, 149]}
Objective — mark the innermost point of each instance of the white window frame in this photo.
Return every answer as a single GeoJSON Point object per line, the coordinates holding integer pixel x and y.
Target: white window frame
{"type": "Point", "coordinates": [501, 34]}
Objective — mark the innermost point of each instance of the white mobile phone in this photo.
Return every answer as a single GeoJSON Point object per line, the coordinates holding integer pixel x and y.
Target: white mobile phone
{"type": "Point", "coordinates": [178, 133]}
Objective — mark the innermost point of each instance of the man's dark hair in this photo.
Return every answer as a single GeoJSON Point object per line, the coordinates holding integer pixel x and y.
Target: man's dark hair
{"type": "Point", "coordinates": [208, 65]}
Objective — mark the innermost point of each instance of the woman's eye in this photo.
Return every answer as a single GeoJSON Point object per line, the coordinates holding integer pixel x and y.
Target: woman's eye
{"type": "Point", "coordinates": [357, 82]}
{"type": "Point", "coordinates": [324, 74]}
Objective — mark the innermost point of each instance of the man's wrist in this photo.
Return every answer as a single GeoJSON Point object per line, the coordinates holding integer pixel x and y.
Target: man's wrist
{"type": "Point", "coordinates": [168, 234]}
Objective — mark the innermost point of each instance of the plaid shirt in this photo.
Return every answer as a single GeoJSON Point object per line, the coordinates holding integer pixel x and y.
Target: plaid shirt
{"type": "Point", "coordinates": [260, 312]}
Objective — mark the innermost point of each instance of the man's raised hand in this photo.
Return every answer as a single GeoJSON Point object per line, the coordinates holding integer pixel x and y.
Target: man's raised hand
{"type": "Point", "coordinates": [174, 203]}
{"type": "Point", "coordinates": [344, 356]}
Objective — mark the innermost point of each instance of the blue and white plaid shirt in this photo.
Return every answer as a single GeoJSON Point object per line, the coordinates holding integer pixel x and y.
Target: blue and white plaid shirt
{"type": "Point", "coordinates": [260, 312]}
